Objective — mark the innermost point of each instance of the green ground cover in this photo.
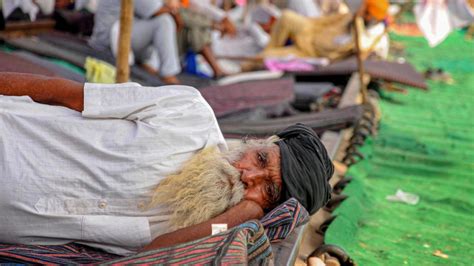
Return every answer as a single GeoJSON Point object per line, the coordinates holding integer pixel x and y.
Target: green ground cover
{"type": "Point", "coordinates": [425, 146]}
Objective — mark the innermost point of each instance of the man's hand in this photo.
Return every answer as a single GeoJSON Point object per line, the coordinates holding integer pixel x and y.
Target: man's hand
{"type": "Point", "coordinates": [244, 211]}
{"type": "Point", "coordinates": [226, 26]}
{"type": "Point", "coordinates": [42, 89]}
{"type": "Point", "coordinates": [267, 27]}
{"type": "Point", "coordinates": [172, 7]}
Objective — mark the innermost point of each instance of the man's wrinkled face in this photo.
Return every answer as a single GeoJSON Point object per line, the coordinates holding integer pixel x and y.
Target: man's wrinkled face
{"type": "Point", "coordinates": [211, 182]}
{"type": "Point", "coordinates": [259, 168]}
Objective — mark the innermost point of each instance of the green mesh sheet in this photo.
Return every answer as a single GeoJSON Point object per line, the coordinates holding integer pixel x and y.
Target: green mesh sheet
{"type": "Point", "coordinates": [425, 146]}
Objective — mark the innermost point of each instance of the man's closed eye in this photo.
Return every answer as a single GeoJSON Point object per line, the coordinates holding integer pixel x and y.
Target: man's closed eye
{"type": "Point", "coordinates": [262, 159]}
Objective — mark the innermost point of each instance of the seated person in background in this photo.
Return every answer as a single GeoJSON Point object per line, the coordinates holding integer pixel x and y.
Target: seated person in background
{"type": "Point", "coordinates": [328, 36]}
{"type": "Point", "coordinates": [199, 18]}
{"type": "Point", "coordinates": [316, 8]}
{"type": "Point", "coordinates": [140, 168]}
{"type": "Point", "coordinates": [373, 11]}
{"type": "Point", "coordinates": [307, 8]}
{"type": "Point", "coordinates": [154, 25]}
{"type": "Point", "coordinates": [252, 21]}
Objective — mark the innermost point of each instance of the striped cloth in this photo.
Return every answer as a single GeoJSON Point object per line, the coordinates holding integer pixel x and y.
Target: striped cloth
{"type": "Point", "coordinates": [248, 243]}
{"type": "Point", "coordinates": [241, 245]}
{"type": "Point", "coordinates": [63, 254]}
{"type": "Point", "coordinates": [281, 221]}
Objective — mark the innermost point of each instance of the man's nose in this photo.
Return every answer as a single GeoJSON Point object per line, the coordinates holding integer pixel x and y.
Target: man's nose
{"type": "Point", "coordinates": [251, 177]}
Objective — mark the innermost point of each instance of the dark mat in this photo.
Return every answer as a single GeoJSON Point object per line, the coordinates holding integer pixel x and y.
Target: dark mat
{"type": "Point", "coordinates": [40, 47]}
{"type": "Point", "coordinates": [312, 90]}
{"type": "Point", "coordinates": [76, 57]}
{"type": "Point", "coordinates": [308, 93]}
{"type": "Point", "coordinates": [195, 81]}
{"type": "Point", "coordinates": [13, 63]}
{"type": "Point", "coordinates": [79, 46]}
{"type": "Point", "coordinates": [58, 70]}
{"type": "Point", "coordinates": [230, 99]}
{"type": "Point", "coordinates": [260, 113]}
{"type": "Point", "coordinates": [331, 119]}
{"type": "Point", "coordinates": [76, 44]}
{"type": "Point", "coordinates": [35, 45]}
{"type": "Point", "coordinates": [76, 22]}
{"type": "Point", "coordinates": [402, 73]}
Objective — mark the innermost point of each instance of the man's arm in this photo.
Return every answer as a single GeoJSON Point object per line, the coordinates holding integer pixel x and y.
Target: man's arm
{"type": "Point", "coordinates": [42, 89]}
{"type": "Point", "coordinates": [165, 10]}
{"type": "Point", "coordinates": [240, 213]}
{"type": "Point", "coordinates": [172, 7]}
{"type": "Point", "coordinates": [219, 16]}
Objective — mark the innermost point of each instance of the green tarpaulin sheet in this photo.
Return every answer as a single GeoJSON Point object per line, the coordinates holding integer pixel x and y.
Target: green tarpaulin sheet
{"type": "Point", "coordinates": [425, 146]}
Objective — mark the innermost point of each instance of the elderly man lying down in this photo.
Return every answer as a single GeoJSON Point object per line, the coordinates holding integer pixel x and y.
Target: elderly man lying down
{"type": "Point", "coordinates": [127, 168]}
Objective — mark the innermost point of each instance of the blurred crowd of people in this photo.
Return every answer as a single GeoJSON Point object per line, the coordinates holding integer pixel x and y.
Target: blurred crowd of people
{"type": "Point", "coordinates": [222, 32]}
{"type": "Point", "coordinates": [219, 31]}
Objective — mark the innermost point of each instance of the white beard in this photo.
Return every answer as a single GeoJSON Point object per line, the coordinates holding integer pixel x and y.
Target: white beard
{"type": "Point", "coordinates": [206, 186]}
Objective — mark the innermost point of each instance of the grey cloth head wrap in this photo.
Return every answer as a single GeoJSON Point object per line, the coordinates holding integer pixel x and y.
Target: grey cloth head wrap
{"type": "Point", "coordinates": [305, 167]}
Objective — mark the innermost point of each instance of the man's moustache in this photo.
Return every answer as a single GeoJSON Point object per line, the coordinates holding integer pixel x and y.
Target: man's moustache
{"type": "Point", "coordinates": [207, 186]}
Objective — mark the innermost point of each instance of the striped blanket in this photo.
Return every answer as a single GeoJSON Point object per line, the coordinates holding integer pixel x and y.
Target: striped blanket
{"type": "Point", "coordinates": [248, 243]}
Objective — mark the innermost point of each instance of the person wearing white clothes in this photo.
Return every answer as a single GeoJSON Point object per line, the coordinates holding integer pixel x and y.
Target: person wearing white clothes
{"type": "Point", "coordinates": [89, 176]}
{"type": "Point", "coordinates": [67, 175]}
{"type": "Point", "coordinates": [127, 168]}
{"type": "Point", "coordinates": [200, 17]}
{"type": "Point", "coordinates": [251, 38]}
{"type": "Point", "coordinates": [153, 26]}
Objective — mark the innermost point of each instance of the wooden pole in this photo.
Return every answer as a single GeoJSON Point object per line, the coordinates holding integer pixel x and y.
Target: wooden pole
{"type": "Point", "coordinates": [358, 23]}
{"type": "Point", "coordinates": [126, 20]}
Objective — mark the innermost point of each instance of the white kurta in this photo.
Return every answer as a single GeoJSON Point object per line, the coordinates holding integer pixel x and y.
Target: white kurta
{"type": "Point", "coordinates": [67, 176]}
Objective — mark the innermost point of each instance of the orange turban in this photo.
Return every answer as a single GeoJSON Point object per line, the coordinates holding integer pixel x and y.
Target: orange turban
{"type": "Point", "coordinates": [376, 9]}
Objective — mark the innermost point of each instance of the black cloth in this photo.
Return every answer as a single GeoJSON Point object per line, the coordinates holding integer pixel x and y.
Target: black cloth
{"type": "Point", "coordinates": [305, 167]}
